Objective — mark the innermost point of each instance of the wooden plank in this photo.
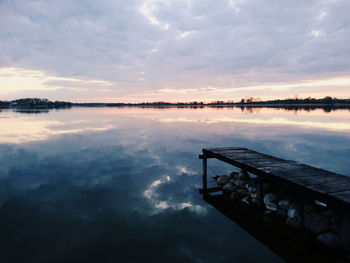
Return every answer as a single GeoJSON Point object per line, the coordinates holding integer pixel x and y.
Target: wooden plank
{"type": "Point", "coordinates": [249, 152]}
{"type": "Point", "coordinates": [331, 187]}
{"type": "Point", "coordinates": [268, 163]}
{"type": "Point", "coordinates": [300, 170]}
{"type": "Point", "coordinates": [244, 153]}
{"type": "Point", "coordinates": [343, 196]}
{"type": "Point", "coordinates": [256, 161]}
{"type": "Point", "coordinates": [250, 156]}
{"type": "Point", "coordinates": [221, 150]}
{"type": "Point", "coordinates": [279, 168]}
{"type": "Point", "coordinates": [233, 151]}
{"type": "Point", "coordinates": [227, 148]}
{"type": "Point", "coordinates": [309, 181]}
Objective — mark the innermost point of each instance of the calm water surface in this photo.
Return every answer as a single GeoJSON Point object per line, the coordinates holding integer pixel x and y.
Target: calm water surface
{"type": "Point", "coordinates": [121, 184]}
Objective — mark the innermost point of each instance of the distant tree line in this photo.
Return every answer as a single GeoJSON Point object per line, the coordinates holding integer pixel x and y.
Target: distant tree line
{"type": "Point", "coordinates": [250, 100]}
{"type": "Point", "coordinates": [35, 103]}
{"type": "Point", "coordinates": [329, 101]}
{"type": "Point", "coordinates": [326, 101]}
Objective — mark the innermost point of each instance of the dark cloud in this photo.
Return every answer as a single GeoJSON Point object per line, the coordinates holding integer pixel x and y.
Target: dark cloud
{"type": "Point", "coordinates": [145, 45]}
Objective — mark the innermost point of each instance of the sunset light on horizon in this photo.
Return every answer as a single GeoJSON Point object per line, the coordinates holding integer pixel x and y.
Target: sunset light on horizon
{"type": "Point", "coordinates": [27, 83]}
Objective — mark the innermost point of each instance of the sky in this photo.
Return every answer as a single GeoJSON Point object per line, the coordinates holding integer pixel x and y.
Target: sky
{"type": "Point", "coordinates": [174, 50]}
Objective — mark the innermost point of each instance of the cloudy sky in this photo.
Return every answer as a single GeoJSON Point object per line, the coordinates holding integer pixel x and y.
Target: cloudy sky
{"type": "Point", "coordinates": [173, 50]}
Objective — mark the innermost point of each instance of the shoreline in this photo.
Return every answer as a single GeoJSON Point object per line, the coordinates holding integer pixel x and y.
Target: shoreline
{"type": "Point", "coordinates": [242, 106]}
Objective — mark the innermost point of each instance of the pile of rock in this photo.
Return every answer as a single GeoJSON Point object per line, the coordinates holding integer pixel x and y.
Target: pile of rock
{"type": "Point", "coordinates": [239, 186]}
{"type": "Point", "coordinates": [310, 215]}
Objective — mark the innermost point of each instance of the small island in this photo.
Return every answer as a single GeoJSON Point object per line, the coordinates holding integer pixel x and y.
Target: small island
{"type": "Point", "coordinates": [35, 103]}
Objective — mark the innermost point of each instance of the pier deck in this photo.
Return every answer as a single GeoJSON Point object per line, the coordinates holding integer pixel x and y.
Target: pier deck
{"type": "Point", "coordinates": [318, 184]}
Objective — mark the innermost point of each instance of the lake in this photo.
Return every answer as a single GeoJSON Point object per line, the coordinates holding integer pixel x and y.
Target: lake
{"type": "Point", "coordinates": [121, 184]}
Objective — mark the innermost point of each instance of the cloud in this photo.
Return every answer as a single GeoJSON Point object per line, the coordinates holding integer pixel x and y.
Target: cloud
{"type": "Point", "coordinates": [145, 45]}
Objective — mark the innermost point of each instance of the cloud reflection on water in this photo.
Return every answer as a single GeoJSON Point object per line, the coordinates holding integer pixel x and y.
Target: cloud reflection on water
{"type": "Point", "coordinates": [127, 181]}
{"type": "Point", "coordinates": [88, 205]}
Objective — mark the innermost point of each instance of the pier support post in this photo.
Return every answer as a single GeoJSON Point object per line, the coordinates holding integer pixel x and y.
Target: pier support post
{"type": "Point", "coordinates": [205, 175]}
{"type": "Point", "coordinates": [344, 232]}
{"type": "Point", "coordinates": [259, 190]}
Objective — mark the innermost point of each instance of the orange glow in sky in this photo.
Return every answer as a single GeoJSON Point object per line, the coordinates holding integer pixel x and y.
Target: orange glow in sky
{"type": "Point", "coordinates": [16, 83]}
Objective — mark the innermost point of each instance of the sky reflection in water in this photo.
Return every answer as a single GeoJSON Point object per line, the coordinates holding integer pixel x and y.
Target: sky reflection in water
{"type": "Point", "coordinates": [107, 184]}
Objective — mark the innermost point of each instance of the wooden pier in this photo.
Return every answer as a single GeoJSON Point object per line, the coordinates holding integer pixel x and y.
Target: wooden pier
{"type": "Point", "coordinates": [328, 188]}
{"type": "Point", "coordinates": [317, 183]}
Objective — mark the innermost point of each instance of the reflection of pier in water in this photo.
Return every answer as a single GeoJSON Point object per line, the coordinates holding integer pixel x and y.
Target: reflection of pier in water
{"type": "Point", "coordinates": [301, 183]}
{"type": "Point", "coordinates": [292, 245]}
